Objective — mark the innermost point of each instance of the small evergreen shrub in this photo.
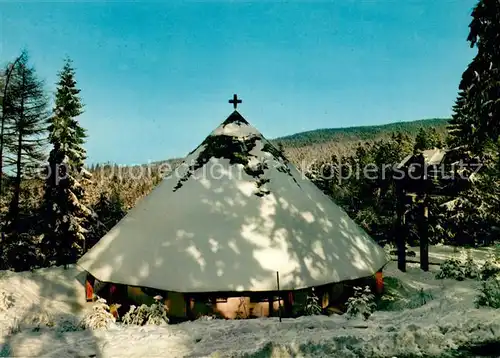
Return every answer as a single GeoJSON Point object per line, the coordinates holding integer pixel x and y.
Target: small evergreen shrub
{"type": "Point", "coordinates": [145, 315]}
{"type": "Point", "coordinates": [99, 318]}
{"type": "Point", "coordinates": [312, 306]}
{"type": "Point", "coordinates": [489, 294]}
{"type": "Point", "coordinates": [361, 304]}
{"type": "Point", "coordinates": [451, 268]}
{"type": "Point", "coordinates": [471, 268]}
{"type": "Point", "coordinates": [307, 304]}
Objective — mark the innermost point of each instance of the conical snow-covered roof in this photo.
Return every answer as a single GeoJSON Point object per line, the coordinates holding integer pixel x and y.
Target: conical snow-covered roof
{"type": "Point", "coordinates": [233, 214]}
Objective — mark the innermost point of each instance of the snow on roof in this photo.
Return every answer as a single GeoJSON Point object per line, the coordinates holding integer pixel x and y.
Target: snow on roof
{"type": "Point", "coordinates": [431, 156]}
{"type": "Point", "coordinates": [232, 215]}
{"type": "Point", "coordinates": [434, 156]}
{"type": "Point", "coordinates": [236, 126]}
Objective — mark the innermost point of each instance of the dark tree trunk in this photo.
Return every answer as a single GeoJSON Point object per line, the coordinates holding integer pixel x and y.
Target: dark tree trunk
{"type": "Point", "coordinates": [424, 235]}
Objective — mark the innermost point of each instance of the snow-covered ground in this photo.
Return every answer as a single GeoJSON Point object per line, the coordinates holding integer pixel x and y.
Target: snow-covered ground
{"type": "Point", "coordinates": [447, 321]}
{"type": "Point", "coordinates": [439, 253]}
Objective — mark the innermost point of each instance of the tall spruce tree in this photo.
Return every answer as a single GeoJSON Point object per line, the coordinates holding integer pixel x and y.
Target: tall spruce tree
{"type": "Point", "coordinates": [459, 127]}
{"type": "Point", "coordinates": [66, 216]}
{"type": "Point", "coordinates": [475, 127]}
{"type": "Point", "coordinates": [25, 129]}
{"type": "Point", "coordinates": [476, 120]}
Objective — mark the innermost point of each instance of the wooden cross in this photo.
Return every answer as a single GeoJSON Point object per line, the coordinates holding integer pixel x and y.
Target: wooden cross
{"type": "Point", "coordinates": [235, 101]}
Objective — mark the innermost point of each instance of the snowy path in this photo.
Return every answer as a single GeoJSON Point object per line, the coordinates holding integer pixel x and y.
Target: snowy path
{"type": "Point", "coordinates": [446, 322]}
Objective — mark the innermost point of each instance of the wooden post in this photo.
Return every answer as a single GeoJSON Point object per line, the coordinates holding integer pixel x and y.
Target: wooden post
{"type": "Point", "coordinates": [279, 296]}
{"type": "Point", "coordinates": [400, 227]}
{"type": "Point", "coordinates": [424, 236]}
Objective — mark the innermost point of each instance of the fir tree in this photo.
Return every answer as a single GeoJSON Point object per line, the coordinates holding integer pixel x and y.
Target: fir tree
{"type": "Point", "coordinates": [66, 216]}
{"type": "Point", "coordinates": [459, 128]}
{"type": "Point", "coordinates": [427, 138]}
{"type": "Point", "coordinates": [24, 129]}
{"type": "Point", "coordinates": [110, 208]}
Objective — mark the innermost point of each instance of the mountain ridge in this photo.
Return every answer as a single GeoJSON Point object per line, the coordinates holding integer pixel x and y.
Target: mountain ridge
{"type": "Point", "coordinates": [322, 135]}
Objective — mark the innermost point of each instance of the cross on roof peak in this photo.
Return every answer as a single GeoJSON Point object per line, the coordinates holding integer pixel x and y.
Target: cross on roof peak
{"type": "Point", "coordinates": [235, 101]}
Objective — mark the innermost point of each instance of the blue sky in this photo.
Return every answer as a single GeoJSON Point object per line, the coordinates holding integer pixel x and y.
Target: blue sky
{"type": "Point", "coordinates": [156, 77]}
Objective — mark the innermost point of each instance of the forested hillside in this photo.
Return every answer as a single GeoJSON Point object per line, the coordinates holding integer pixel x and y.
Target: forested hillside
{"type": "Point", "coordinates": [348, 134]}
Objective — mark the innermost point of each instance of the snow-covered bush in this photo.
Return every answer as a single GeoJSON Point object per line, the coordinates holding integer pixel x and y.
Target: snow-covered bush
{"type": "Point", "coordinates": [100, 317]}
{"type": "Point", "coordinates": [451, 268]}
{"type": "Point", "coordinates": [490, 292]}
{"type": "Point", "coordinates": [312, 306]}
{"type": "Point", "coordinates": [145, 315]}
{"type": "Point", "coordinates": [459, 268]}
{"type": "Point", "coordinates": [362, 303]}
{"type": "Point", "coordinates": [490, 268]}
{"type": "Point", "coordinates": [6, 301]}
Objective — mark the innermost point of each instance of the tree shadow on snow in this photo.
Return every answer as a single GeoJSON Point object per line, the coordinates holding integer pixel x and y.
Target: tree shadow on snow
{"type": "Point", "coordinates": [49, 326]}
